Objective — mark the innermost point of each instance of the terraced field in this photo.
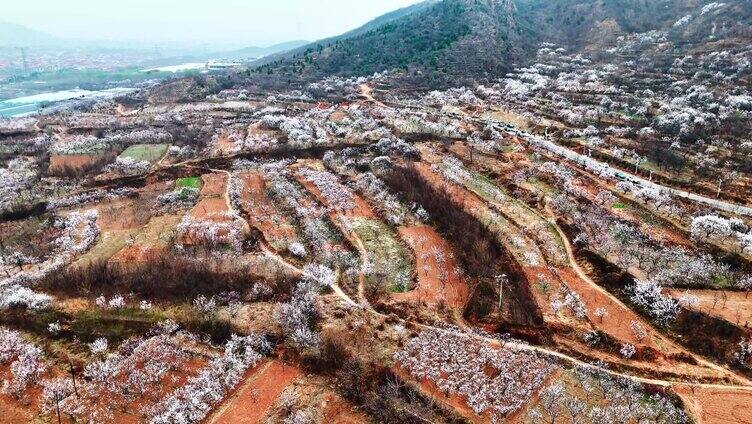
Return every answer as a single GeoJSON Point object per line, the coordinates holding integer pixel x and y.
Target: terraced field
{"type": "Point", "coordinates": [385, 263]}
{"type": "Point", "coordinates": [351, 251]}
{"type": "Point", "coordinates": [304, 212]}
{"type": "Point", "coordinates": [151, 241]}
{"type": "Point", "coordinates": [387, 259]}
{"type": "Point", "coordinates": [145, 152]}
{"type": "Point", "coordinates": [264, 216]}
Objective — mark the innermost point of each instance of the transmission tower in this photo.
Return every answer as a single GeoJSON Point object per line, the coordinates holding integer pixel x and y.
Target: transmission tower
{"type": "Point", "coordinates": [25, 62]}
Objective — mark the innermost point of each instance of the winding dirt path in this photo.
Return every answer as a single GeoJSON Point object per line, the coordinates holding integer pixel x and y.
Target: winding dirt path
{"type": "Point", "coordinates": [746, 388]}
{"type": "Point", "coordinates": [605, 293]}
{"type": "Point", "coordinates": [367, 92]}
{"type": "Point", "coordinates": [256, 395]}
{"type": "Point", "coordinates": [336, 288]}
{"type": "Point", "coordinates": [363, 253]}
{"type": "Point", "coordinates": [235, 214]}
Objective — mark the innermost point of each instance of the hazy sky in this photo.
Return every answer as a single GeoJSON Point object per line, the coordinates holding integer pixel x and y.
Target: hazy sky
{"type": "Point", "coordinates": [217, 22]}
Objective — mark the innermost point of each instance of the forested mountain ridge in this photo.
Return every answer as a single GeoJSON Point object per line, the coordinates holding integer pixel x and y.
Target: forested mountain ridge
{"type": "Point", "coordinates": [590, 24]}
{"type": "Point", "coordinates": [482, 39]}
{"type": "Point", "coordinates": [447, 39]}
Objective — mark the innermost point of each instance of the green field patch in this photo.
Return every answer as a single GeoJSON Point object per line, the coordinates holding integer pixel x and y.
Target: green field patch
{"type": "Point", "coordinates": [145, 152]}
{"type": "Point", "coordinates": [618, 205]}
{"type": "Point", "coordinates": [543, 186]}
{"type": "Point", "coordinates": [108, 244]}
{"type": "Point", "coordinates": [82, 327]}
{"type": "Point", "coordinates": [516, 215]}
{"type": "Point", "coordinates": [114, 325]}
{"type": "Point", "coordinates": [543, 286]}
{"type": "Point", "coordinates": [390, 259]}
{"type": "Point", "coordinates": [189, 182]}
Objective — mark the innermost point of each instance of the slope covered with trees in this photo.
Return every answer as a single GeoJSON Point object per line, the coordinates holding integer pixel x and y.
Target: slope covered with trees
{"type": "Point", "coordinates": [445, 42]}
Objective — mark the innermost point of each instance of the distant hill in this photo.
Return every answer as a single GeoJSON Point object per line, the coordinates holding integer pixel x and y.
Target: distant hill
{"type": "Point", "coordinates": [450, 41]}
{"type": "Point", "coordinates": [257, 52]}
{"type": "Point", "coordinates": [14, 35]}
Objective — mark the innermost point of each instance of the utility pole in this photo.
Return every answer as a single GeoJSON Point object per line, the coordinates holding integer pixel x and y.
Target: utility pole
{"type": "Point", "coordinates": [730, 176]}
{"type": "Point", "coordinates": [501, 279]}
{"type": "Point", "coordinates": [720, 182]}
{"type": "Point", "coordinates": [637, 164]}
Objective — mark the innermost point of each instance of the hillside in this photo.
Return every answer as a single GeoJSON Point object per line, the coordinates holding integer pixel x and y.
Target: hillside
{"type": "Point", "coordinates": [451, 41]}
{"type": "Point", "coordinates": [448, 38]}
{"type": "Point", "coordinates": [569, 241]}
{"type": "Point", "coordinates": [369, 26]}
{"type": "Point", "coordinates": [593, 24]}
{"type": "Point", "coordinates": [14, 35]}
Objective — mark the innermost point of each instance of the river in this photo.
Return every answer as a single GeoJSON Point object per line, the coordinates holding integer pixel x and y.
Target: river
{"type": "Point", "coordinates": [29, 104]}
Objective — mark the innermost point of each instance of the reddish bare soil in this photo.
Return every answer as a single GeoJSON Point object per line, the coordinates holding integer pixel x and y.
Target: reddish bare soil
{"type": "Point", "coordinates": [455, 402]}
{"type": "Point", "coordinates": [618, 319]}
{"type": "Point", "coordinates": [338, 116]}
{"type": "Point", "coordinates": [261, 212]}
{"type": "Point", "coordinates": [117, 215]}
{"type": "Point", "coordinates": [211, 207]}
{"type": "Point", "coordinates": [256, 129]}
{"type": "Point", "coordinates": [13, 413]}
{"type": "Point", "coordinates": [154, 239]}
{"type": "Point", "coordinates": [717, 406]}
{"type": "Point", "coordinates": [339, 411]}
{"type": "Point", "coordinates": [214, 184]}
{"type": "Point", "coordinates": [256, 395]}
{"type": "Point", "coordinates": [213, 203]}
{"type": "Point", "coordinates": [27, 407]}
{"type": "Point", "coordinates": [437, 281]}
{"type": "Point", "coordinates": [734, 307]}
{"type": "Point", "coordinates": [223, 146]}
{"type": "Point", "coordinates": [61, 162]}
{"type": "Point", "coordinates": [137, 254]}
